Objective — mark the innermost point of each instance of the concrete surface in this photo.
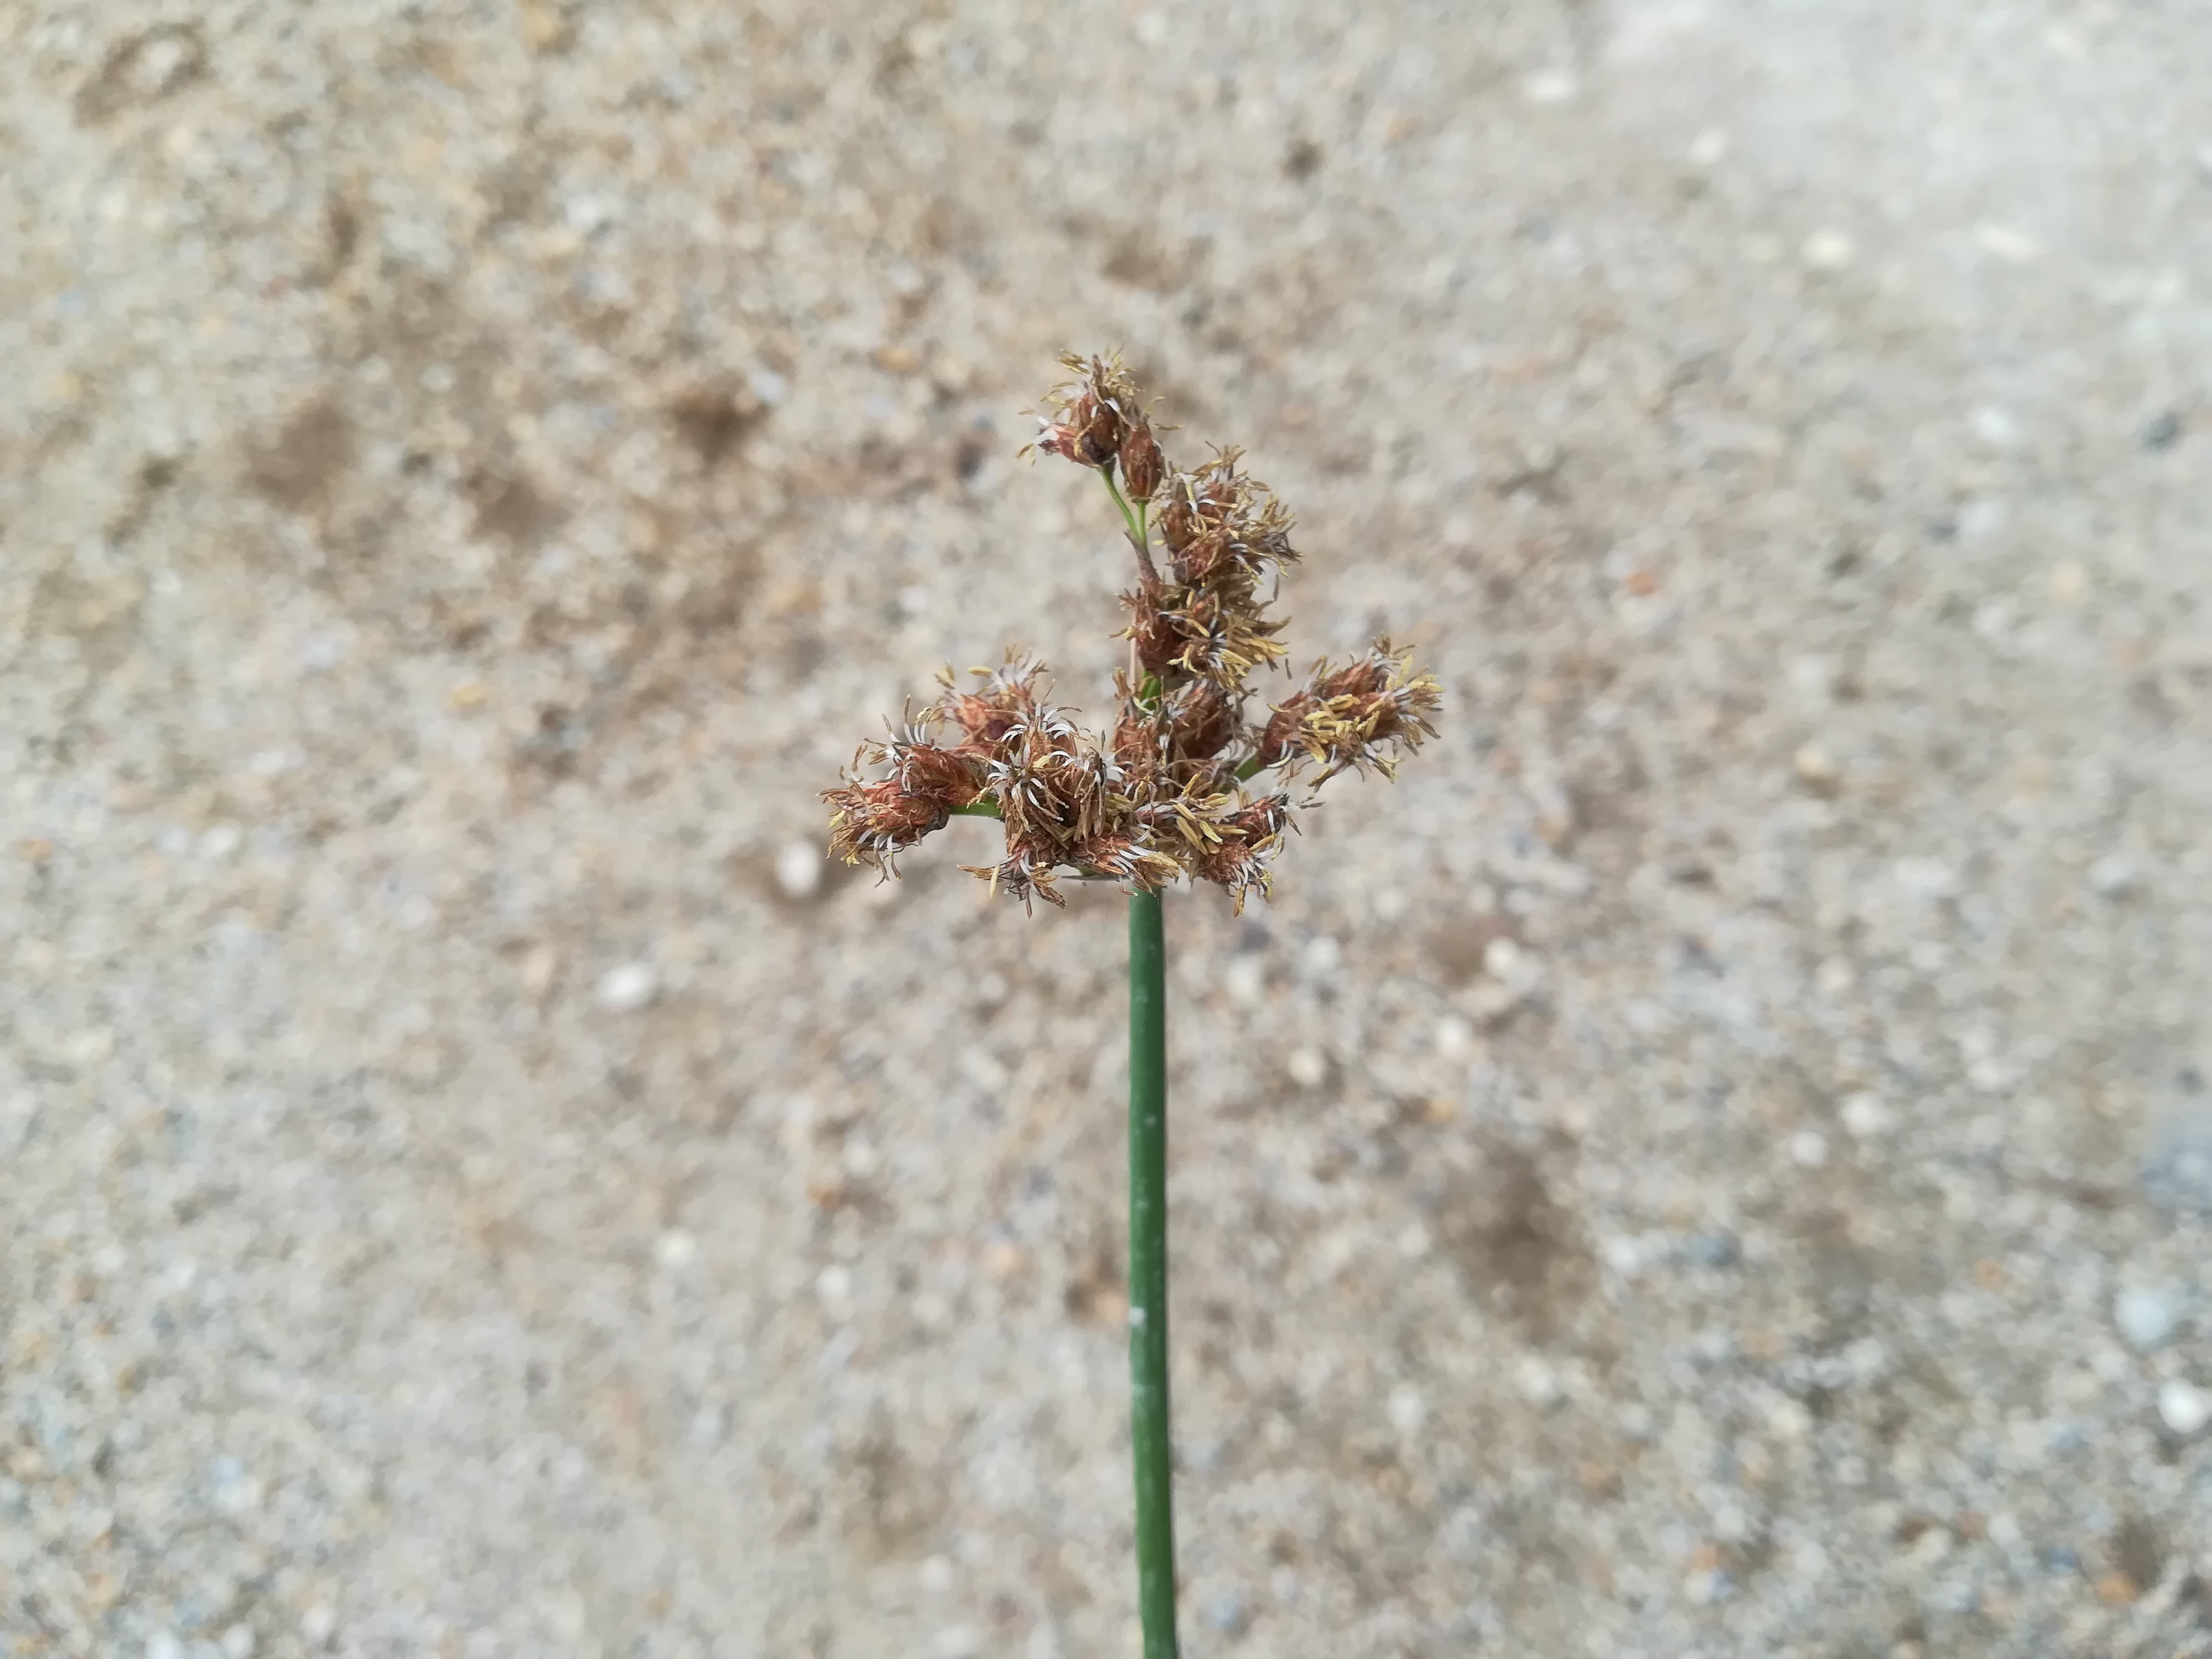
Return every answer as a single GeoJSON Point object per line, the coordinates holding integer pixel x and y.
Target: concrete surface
{"type": "Point", "coordinates": [1716, 1161]}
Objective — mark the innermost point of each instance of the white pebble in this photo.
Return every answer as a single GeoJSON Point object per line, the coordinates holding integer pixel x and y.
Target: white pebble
{"type": "Point", "coordinates": [162, 1645]}
{"type": "Point", "coordinates": [1225, 1611]}
{"type": "Point", "coordinates": [628, 988]}
{"type": "Point", "coordinates": [2145, 1318]}
{"type": "Point", "coordinates": [1809, 1149]}
{"type": "Point", "coordinates": [1307, 1067]}
{"type": "Point", "coordinates": [1539, 1383]}
{"type": "Point", "coordinates": [319, 1624]}
{"type": "Point", "coordinates": [1408, 1411]}
{"type": "Point", "coordinates": [1455, 1036]}
{"type": "Point", "coordinates": [1708, 147]}
{"type": "Point", "coordinates": [1865, 1116]}
{"type": "Point", "coordinates": [2012, 247]}
{"type": "Point", "coordinates": [1813, 765]}
{"type": "Point", "coordinates": [833, 1285]}
{"type": "Point", "coordinates": [799, 869]}
{"type": "Point", "coordinates": [2183, 1407]}
{"type": "Point", "coordinates": [1829, 249]}
{"type": "Point", "coordinates": [1553, 86]}
{"type": "Point", "coordinates": [2112, 875]}
{"type": "Point", "coordinates": [1245, 979]}
{"type": "Point", "coordinates": [675, 1250]}
{"type": "Point", "coordinates": [1994, 426]}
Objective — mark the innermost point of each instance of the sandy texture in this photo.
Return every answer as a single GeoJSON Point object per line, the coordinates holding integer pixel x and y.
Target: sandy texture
{"type": "Point", "coordinates": [1714, 1161]}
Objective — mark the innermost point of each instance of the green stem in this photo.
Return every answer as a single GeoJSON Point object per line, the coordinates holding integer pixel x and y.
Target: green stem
{"type": "Point", "coordinates": [1148, 1274]}
{"type": "Point", "coordinates": [976, 809]}
{"type": "Point", "coordinates": [1133, 521]}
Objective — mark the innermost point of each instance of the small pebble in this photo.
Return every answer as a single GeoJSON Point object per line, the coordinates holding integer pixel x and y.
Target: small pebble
{"type": "Point", "coordinates": [1226, 1612]}
{"type": "Point", "coordinates": [1994, 427]}
{"type": "Point", "coordinates": [162, 1645]}
{"type": "Point", "coordinates": [1828, 249]}
{"type": "Point", "coordinates": [1812, 766]}
{"type": "Point", "coordinates": [799, 869]}
{"type": "Point", "coordinates": [1865, 1116]}
{"type": "Point", "coordinates": [2112, 875]}
{"type": "Point", "coordinates": [2015, 247]}
{"type": "Point", "coordinates": [2183, 1407]}
{"type": "Point", "coordinates": [628, 988]}
{"type": "Point", "coordinates": [1539, 1383]}
{"type": "Point", "coordinates": [1307, 1067]}
{"type": "Point", "coordinates": [2145, 1318]}
{"type": "Point", "coordinates": [1809, 1149]}
{"type": "Point", "coordinates": [2162, 431]}
{"type": "Point", "coordinates": [1550, 87]}
{"type": "Point", "coordinates": [1455, 1036]}
{"type": "Point", "coordinates": [1408, 1410]}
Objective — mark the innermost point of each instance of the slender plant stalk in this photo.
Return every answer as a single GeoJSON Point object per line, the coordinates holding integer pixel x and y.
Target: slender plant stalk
{"type": "Point", "coordinates": [1148, 1274]}
{"type": "Point", "coordinates": [1157, 797]}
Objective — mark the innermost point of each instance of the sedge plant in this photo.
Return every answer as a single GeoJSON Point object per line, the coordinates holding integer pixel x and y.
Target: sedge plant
{"type": "Point", "coordinates": [1189, 784]}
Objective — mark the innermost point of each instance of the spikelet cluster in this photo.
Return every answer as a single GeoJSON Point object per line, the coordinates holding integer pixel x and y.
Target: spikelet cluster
{"type": "Point", "coordinates": [1187, 782]}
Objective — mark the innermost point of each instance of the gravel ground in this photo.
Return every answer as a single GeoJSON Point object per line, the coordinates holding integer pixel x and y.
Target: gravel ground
{"type": "Point", "coordinates": [1716, 1161]}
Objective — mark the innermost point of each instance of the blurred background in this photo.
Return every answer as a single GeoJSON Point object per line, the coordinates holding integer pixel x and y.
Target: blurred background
{"type": "Point", "coordinates": [1714, 1161]}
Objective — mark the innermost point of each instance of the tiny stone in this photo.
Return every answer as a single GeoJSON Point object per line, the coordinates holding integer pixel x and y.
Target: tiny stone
{"type": "Point", "coordinates": [1408, 1410]}
{"type": "Point", "coordinates": [2012, 247]}
{"type": "Point", "coordinates": [1865, 1116]}
{"type": "Point", "coordinates": [833, 1285]}
{"type": "Point", "coordinates": [2068, 582]}
{"type": "Point", "coordinates": [675, 1250]}
{"type": "Point", "coordinates": [1455, 1036]}
{"type": "Point", "coordinates": [2145, 1318]}
{"type": "Point", "coordinates": [1225, 1612]}
{"type": "Point", "coordinates": [1809, 1149]}
{"type": "Point", "coordinates": [1307, 1067]}
{"type": "Point", "coordinates": [319, 1624]}
{"type": "Point", "coordinates": [1708, 147]}
{"type": "Point", "coordinates": [1813, 765]}
{"type": "Point", "coordinates": [1549, 87]}
{"type": "Point", "coordinates": [1828, 250]}
{"type": "Point", "coordinates": [1993, 426]}
{"type": "Point", "coordinates": [799, 869]}
{"type": "Point", "coordinates": [162, 1645]}
{"type": "Point", "coordinates": [2183, 1407]}
{"type": "Point", "coordinates": [2112, 875]}
{"type": "Point", "coordinates": [1245, 979]}
{"type": "Point", "coordinates": [1539, 1383]}
{"type": "Point", "coordinates": [628, 988]}
{"type": "Point", "coordinates": [238, 1642]}
{"type": "Point", "coordinates": [1713, 1251]}
{"type": "Point", "coordinates": [2162, 431]}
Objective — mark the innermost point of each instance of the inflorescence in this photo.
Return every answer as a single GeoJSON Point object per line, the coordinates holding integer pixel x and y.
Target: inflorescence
{"type": "Point", "coordinates": [1164, 793]}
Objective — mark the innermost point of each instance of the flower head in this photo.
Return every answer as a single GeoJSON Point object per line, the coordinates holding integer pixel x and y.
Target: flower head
{"type": "Point", "coordinates": [1163, 794]}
